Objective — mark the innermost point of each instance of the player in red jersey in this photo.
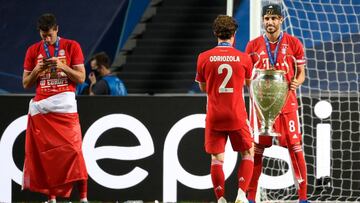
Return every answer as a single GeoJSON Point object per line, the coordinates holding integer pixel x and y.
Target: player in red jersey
{"type": "Point", "coordinates": [221, 73]}
{"type": "Point", "coordinates": [53, 156]}
{"type": "Point", "coordinates": [279, 50]}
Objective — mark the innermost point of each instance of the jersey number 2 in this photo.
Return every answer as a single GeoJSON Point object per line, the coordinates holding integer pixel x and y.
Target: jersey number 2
{"type": "Point", "coordinates": [223, 88]}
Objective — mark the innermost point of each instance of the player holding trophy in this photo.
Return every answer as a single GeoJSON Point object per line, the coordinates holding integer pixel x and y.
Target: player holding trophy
{"type": "Point", "coordinates": [273, 53]}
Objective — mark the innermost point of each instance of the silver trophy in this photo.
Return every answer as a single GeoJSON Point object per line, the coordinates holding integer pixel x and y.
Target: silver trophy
{"type": "Point", "coordinates": [269, 90]}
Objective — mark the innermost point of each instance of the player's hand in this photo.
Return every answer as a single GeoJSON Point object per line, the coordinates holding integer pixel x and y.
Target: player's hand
{"type": "Point", "coordinates": [40, 67]}
{"type": "Point", "coordinates": [46, 62]}
{"type": "Point", "coordinates": [294, 84]}
{"type": "Point", "coordinates": [92, 78]}
{"type": "Point", "coordinates": [55, 62]}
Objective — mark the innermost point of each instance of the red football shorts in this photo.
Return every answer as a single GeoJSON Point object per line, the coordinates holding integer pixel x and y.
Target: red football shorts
{"type": "Point", "coordinates": [215, 140]}
{"type": "Point", "coordinates": [288, 126]}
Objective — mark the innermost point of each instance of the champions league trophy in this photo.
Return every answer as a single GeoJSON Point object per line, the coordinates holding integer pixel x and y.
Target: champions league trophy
{"type": "Point", "coordinates": [269, 89]}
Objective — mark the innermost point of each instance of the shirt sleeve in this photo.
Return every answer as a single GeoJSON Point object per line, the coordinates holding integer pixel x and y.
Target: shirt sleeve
{"type": "Point", "coordinates": [29, 62]}
{"type": "Point", "coordinates": [123, 90]}
{"type": "Point", "coordinates": [248, 48]}
{"type": "Point", "coordinates": [100, 88]}
{"type": "Point", "coordinates": [299, 52]}
{"type": "Point", "coordinates": [200, 70]}
{"type": "Point", "coordinates": [77, 57]}
{"type": "Point", "coordinates": [248, 66]}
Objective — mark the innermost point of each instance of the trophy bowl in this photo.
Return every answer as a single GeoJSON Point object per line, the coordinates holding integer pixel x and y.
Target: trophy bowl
{"type": "Point", "coordinates": [269, 90]}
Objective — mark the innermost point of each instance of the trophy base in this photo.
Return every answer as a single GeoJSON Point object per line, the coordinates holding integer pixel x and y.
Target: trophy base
{"type": "Point", "coordinates": [268, 132]}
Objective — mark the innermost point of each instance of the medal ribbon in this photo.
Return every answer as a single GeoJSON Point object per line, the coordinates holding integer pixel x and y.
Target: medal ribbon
{"type": "Point", "coordinates": [273, 58]}
{"type": "Point", "coordinates": [227, 44]}
{"type": "Point", "coordinates": [56, 52]}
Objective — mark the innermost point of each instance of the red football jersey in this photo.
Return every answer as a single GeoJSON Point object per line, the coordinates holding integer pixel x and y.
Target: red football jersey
{"type": "Point", "coordinates": [289, 45]}
{"type": "Point", "coordinates": [51, 83]}
{"type": "Point", "coordinates": [224, 70]}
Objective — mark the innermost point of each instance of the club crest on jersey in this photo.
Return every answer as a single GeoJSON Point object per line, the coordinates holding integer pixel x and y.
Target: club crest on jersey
{"type": "Point", "coordinates": [62, 52]}
{"type": "Point", "coordinates": [284, 47]}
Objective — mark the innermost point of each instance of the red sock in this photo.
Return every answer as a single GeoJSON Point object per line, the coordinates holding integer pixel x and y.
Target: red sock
{"type": "Point", "coordinates": [217, 177]}
{"type": "Point", "coordinates": [299, 155]}
{"type": "Point", "coordinates": [82, 187]}
{"type": "Point", "coordinates": [245, 172]}
{"type": "Point", "coordinates": [251, 194]}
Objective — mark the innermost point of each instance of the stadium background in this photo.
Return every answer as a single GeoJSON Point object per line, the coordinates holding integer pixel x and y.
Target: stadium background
{"type": "Point", "coordinates": [154, 45]}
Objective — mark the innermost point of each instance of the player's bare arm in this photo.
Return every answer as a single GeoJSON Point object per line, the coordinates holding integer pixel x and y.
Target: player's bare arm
{"type": "Point", "coordinates": [247, 82]}
{"type": "Point", "coordinates": [300, 78]}
{"type": "Point", "coordinates": [30, 77]}
{"type": "Point", "coordinates": [202, 86]}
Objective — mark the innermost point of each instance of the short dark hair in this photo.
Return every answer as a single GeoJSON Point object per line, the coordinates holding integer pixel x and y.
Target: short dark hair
{"type": "Point", "coordinates": [224, 27]}
{"type": "Point", "coordinates": [46, 22]}
{"type": "Point", "coordinates": [102, 59]}
{"type": "Point", "coordinates": [271, 9]}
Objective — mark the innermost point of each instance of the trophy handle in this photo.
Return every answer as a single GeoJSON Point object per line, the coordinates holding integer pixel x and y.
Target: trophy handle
{"type": "Point", "coordinates": [255, 64]}
{"type": "Point", "coordinates": [258, 57]}
{"type": "Point", "coordinates": [252, 102]}
{"type": "Point", "coordinates": [253, 71]}
{"type": "Point", "coordinates": [287, 65]}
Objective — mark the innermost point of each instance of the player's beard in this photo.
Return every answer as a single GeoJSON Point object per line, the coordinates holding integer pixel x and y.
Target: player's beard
{"type": "Point", "coordinates": [271, 29]}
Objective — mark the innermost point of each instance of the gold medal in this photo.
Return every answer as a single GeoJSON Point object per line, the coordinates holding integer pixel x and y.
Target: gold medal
{"type": "Point", "coordinates": [53, 72]}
